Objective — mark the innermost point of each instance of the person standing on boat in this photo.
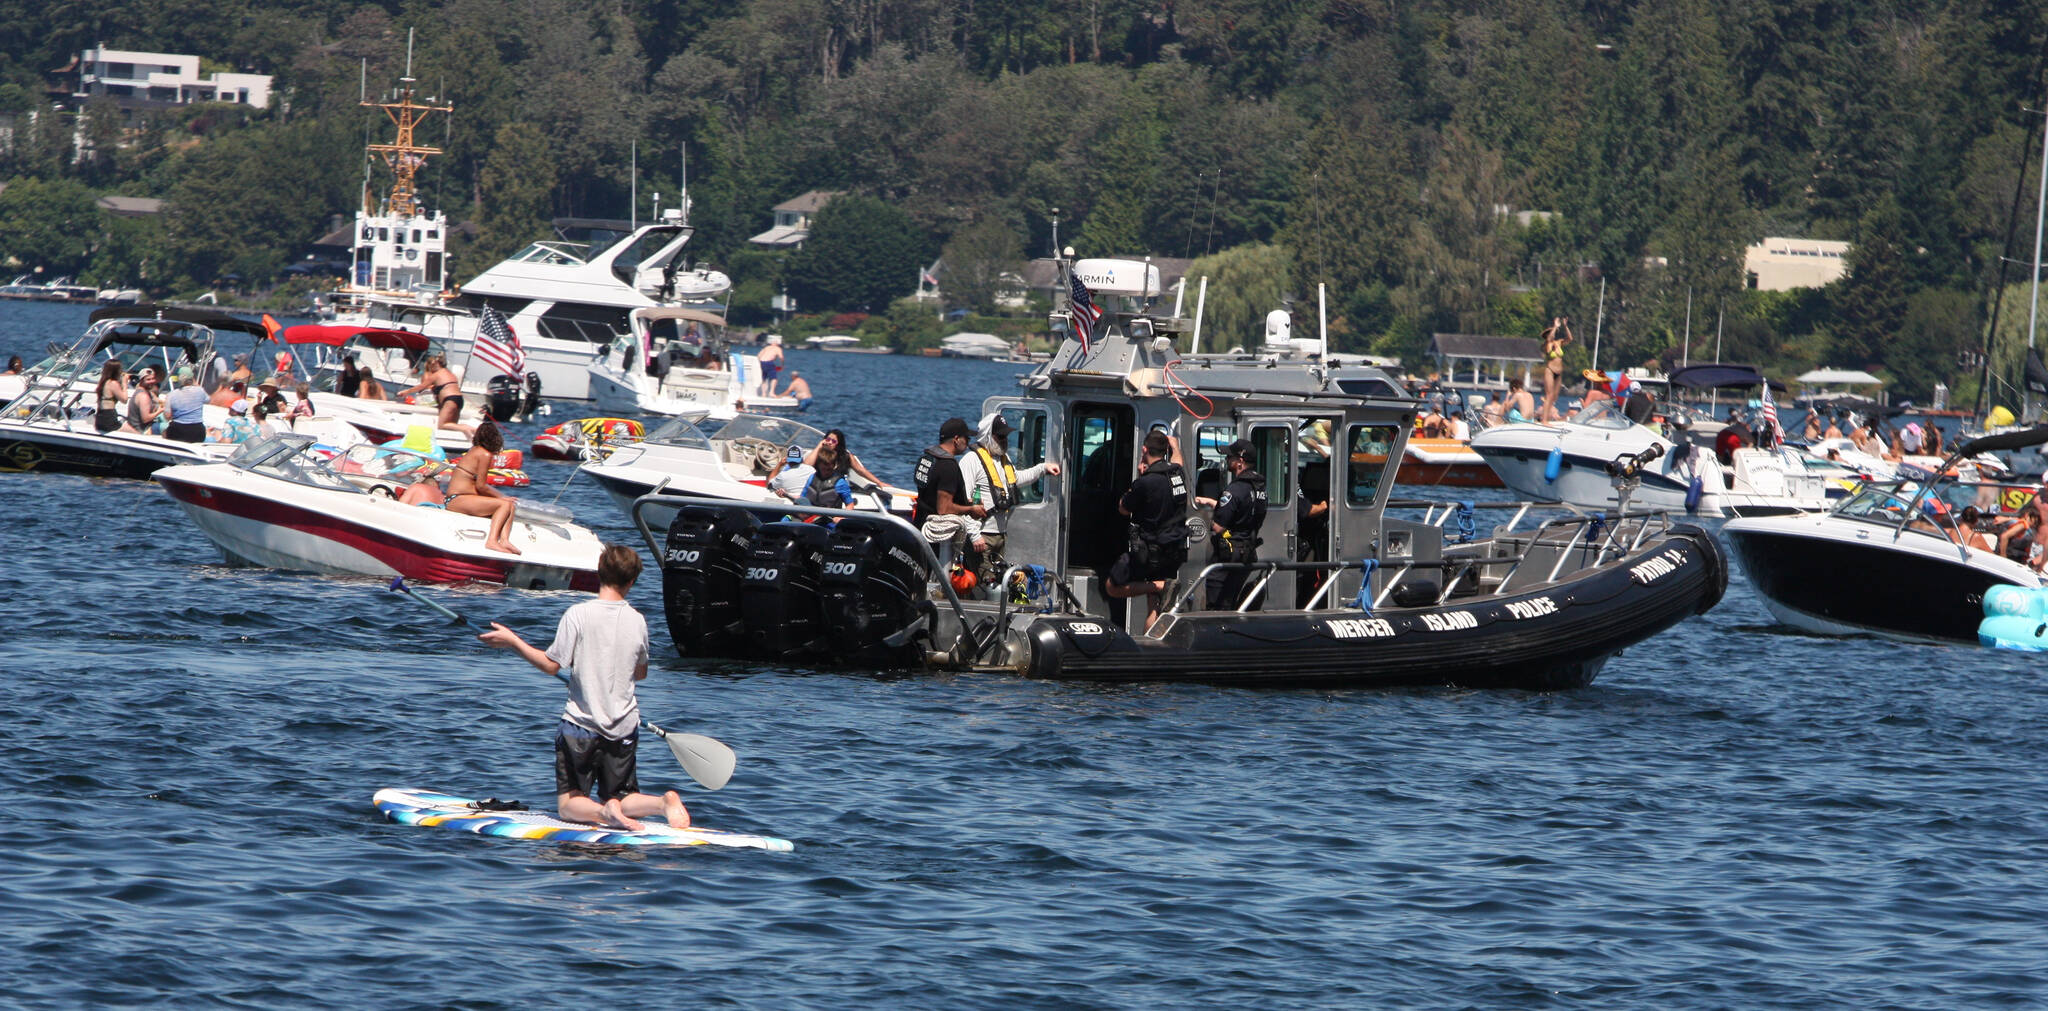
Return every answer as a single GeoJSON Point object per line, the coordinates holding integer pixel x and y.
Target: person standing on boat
{"type": "Point", "coordinates": [992, 482]}
{"type": "Point", "coordinates": [1555, 338]}
{"type": "Point", "coordinates": [108, 394]}
{"type": "Point", "coordinates": [351, 382]}
{"type": "Point", "coordinates": [1238, 515]}
{"type": "Point", "coordinates": [437, 376]}
{"type": "Point", "coordinates": [187, 405]}
{"type": "Point", "coordinates": [143, 409]}
{"type": "Point", "coordinates": [603, 643]}
{"type": "Point", "coordinates": [470, 492]}
{"type": "Point", "coordinates": [770, 359]}
{"type": "Point", "coordinates": [944, 514]}
{"type": "Point", "coordinates": [241, 373]}
{"type": "Point", "coordinates": [1157, 504]}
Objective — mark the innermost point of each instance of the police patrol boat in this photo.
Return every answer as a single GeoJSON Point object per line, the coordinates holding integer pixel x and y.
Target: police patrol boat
{"type": "Point", "coordinates": [1365, 591]}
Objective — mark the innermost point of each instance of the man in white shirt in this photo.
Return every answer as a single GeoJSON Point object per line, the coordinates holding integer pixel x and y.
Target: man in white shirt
{"type": "Point", "coordinates": [993, 483]}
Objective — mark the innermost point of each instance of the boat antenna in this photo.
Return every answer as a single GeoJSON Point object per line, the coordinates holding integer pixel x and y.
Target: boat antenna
{"type": "Point", "coordinates": [403, 155]}
{"type": "Point", "coordinates": [1323, 315]}
{"type": "Point", "coordinates": [633, 187]}
{"type": "Point", "coordinates": [2034, 301]}
{"type": "Point", "coordinates": [1201, 302]}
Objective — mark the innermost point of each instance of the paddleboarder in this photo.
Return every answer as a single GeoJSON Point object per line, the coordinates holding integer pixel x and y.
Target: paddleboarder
{"type": "Point", "coordinates": [603, 643]}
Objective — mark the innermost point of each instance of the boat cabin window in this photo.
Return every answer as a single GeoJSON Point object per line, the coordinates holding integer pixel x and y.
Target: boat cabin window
{"type": "Point", "coordinates": [1210, 473]}
{"type": "Point", "coordinates": [1273, 456]}
{"type": "Point", "coordinates": [580, 321]}
{"type": "Point", "coordinates": [649, 243]}
{"type": "Point", "coordinates": [1367, 451]}
{"type": "Point", "coordinates": [1027, 449]}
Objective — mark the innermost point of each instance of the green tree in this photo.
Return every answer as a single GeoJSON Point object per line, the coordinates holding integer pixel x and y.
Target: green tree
{"type": "Point", "coordinates": [515, 194]}
{"type": "Point", "coordinates": [861, 254]}
{"type": "Point", "coordinates": [1354, 204]}
{"type": "Point", "coordinates": [1873, 296]}
{"type": "Point", "coordinates": [47, 224]}
{"type": "Point", "coordinates": [1245, 283]}
{"type": "Point", "coordinates": [1938, 324]}
{"type": "Point", "coordinates": [976, 260]}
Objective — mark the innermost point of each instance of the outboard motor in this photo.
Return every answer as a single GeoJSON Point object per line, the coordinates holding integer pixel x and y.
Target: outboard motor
{"type": "Point", "coordinates": [779, 589]}
{"type": "Point", "coordinates": [504, 396]}
{"type": "Point", "coordinates": [532, 394]}
{"type": "Point", "coordinates": [871, 589]}
{"type": "Point", "coordinates": [701, 566]}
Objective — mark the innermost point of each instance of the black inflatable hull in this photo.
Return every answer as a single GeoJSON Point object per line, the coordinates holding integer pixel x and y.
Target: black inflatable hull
{"type": "Point", "coordinates": [1551, 637]}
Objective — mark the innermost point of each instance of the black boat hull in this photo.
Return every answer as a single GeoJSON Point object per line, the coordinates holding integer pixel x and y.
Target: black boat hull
{"type": "Point", "coordinates": [64, 453]}
{"type": "Point", "coordinates": [1554, 636]}
{"type": "Point", "coordinates": [1838, 586]}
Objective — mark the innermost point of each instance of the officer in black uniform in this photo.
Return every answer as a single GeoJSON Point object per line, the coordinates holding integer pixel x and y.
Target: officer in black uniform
{"type": "Point", "coordinates": [1157, 503]}
{"type": "Point", "coordinates": [1239, 514]}
{"type": "Point", "coordinates": [943, 512]}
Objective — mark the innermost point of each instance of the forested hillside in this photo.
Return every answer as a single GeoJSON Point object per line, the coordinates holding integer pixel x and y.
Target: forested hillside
{"type": "Point", "coordinates": [1370, 145]}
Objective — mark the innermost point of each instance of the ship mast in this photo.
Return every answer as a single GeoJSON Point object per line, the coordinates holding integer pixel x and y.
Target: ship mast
{"type": "Point", "coordinates": [403, 156]}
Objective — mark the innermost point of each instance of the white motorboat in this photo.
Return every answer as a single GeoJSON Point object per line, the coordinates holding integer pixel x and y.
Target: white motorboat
{"type": "Point", "coordinates": [677, 361]}
{"type": "Point", "coordinates": [1568, 462]}
{"type": "Point", "coordinates": [389, 355]}
{"type": "Point", "coordinates": [1887, 560]}
{"type": "Point", "coordinates": [51, 427]}
{"type": "Point", "coordinates": [288, 502]}
{"type": "Point", "coordinates": [696, 456]}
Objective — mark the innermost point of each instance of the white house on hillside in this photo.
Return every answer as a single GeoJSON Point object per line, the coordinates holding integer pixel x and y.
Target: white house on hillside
{"type": "Point", "coordinates": [793, 220]}
{"type": "Point", "coordinates": [1780, 264]}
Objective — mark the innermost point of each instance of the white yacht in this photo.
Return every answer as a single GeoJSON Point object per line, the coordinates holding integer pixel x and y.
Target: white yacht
{"type": "Point", "coordinates": [674, 361]}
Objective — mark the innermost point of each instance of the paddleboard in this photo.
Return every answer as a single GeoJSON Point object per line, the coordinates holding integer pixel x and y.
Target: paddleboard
{"type": "Point", "coordinates": [440, 810]}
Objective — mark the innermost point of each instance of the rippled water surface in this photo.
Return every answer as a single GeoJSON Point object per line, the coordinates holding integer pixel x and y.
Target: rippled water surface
{"type": "Point", "coordinates": [1732, 816]}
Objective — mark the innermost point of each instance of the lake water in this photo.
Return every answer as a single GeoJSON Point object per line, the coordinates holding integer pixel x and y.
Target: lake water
{"type": "Point", "coordinates": [1732, 816]}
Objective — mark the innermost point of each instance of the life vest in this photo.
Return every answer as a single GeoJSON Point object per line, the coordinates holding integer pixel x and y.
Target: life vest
{"type": "Point", "coordinates": [1002, 481]}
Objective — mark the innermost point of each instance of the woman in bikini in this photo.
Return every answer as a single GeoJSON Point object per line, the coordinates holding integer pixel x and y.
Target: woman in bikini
{"type": "Point", "coordinates": [470, 492]}
{"type": "Point", "coordinates": [1554, 339]}
{"type": "Point", "coordinates": [111, 391]}
{"type": "Point", "coordinates": [435, 375]}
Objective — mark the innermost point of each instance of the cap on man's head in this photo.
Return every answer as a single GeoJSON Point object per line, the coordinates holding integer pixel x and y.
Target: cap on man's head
{"type": "Point", "coordinates": [239, 407]}
{"type": "Point", "coordinates": [993, 425]}
{"type": "Point", "coordinates": [1239, 450]}
{"type": "Point", "coordinates": [954, 428]}
{"type": "Point", "coordinates": [795, 454]}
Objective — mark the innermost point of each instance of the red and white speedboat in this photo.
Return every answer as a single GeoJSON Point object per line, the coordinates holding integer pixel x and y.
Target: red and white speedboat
{"type": "Point", "coordinates": [287, 502]}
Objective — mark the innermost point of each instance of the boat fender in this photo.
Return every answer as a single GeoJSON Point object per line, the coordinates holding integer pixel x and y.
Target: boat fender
{"type": "Point", "coordinates": [1554, 464]}
{"type": "Point", "coordinates": [542, 512]}
{"type": "Point", "coordinates": [1416, 593]}
{"type": "Point", "coordinates": [1364, 599]}
{"type": "Point", "coordinates": [2020, 634]}
{"type": "Point", "coordinates": [1693, 490]}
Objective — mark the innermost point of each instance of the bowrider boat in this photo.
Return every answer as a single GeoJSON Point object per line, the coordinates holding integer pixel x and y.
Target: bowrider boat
{"type": "Point", "coordinates": [1567, 462]}
{"type": "Point", "coordinates": [1889, 560]}
{"type": "Point", "coordinates": [290, 502]}
{"type": "Point", "coordinates": [676, 361]}
{"type": "Point", "coordinates": [1446, 462]}
{"type": "Point", "coordinates": [51, 427]}
{"type": "Point", "coordinates": [1347, 596]}
{"type": "Point", "coordinates": [700, 457]}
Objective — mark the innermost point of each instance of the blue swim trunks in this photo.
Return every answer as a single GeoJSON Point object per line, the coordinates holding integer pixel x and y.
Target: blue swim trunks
{"type": "Point", "coordinates": [804, 404]}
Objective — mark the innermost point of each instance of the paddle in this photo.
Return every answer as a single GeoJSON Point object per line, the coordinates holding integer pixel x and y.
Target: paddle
{"type": "Point", "coordinates": [706, 759]}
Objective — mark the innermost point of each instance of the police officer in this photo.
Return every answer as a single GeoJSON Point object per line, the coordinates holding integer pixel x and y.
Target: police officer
{"type": "Point", "coordinates": [1157, 503]}
{"type": "Point", "coordinates": [943, 512]}
{"type": "Point", "coordinates": [1238, 515]}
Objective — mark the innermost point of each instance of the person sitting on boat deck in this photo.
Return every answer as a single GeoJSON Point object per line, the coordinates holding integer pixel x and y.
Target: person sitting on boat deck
{"type": "Point", "coordinates": [350, 382]}
{"type": "Point", "coordinates": [603, 643]}
{"type": "Point", "coordinates": [1495, 412]}
{"type": "Point", "coordinates": [1157, 504]}
{"type": "Point", "coordinates": [1906, 441]}
{"type": "Point", "coordinates": [14, 365]}
{"type": "Point", "coordinates": [282, 374]}
{"type": "Point", "coordinates": [992, 481]}
{"type": "Point", "coordinates": [1521, 407]}
{"type": "Point", "coordinates": [790, 477]}
{"type": "Point", "coordinates": [435, 375]}
{"type": "Point", "coordinates": [238, 428]}
{"type": "Point", "coordinates": [2016, 540]}
{"type": "Point", "coordinates": [143, 408]}
{"type": "Point", "coordinates": [1733, 437]}
{"type": "Point", "coordinates": [470, 492]}
{"type": "Point", "coordinates": [834, 460]}
{"type": "Point", "coordinates": [241, 373]}
{"type": "Point", "coordinates": [1813, 431]}
{"type": "Point", "coordinates": [1967, 532]}
{"type": "Point", "coordinates": [1431, 425]}
{"type": "Point", "coordinates": [228, 393]}
{"type": "Point", "coordinates": [1461, 429]}
{"type": "Point", "coordinates": [797, 388]}
{"type": "Point", "coordinates": [303, 407]}
{"type": "Point", "coordinates": [371, 388]}
{"type": "Point", "coordinates": [1238, 514]}
{"type": "Point", "coordinates": [770, 360]}
{"type": "Point", "coordinates": [944, 515]}
{"type": "Point", "coordinates": [187, 407]}
{"type": "Point", "coordinates": [108, 394]}
{"type": "Point", "coordinates": [1930, 440]}
{"type": "Point", "coordinates": [1555, 337]}
{"type": "Point", "coordinates": [1834, 429]}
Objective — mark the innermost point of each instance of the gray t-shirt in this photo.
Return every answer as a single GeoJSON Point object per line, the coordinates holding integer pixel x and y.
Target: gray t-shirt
{"type": "Point", "coordinates": [601, 642]}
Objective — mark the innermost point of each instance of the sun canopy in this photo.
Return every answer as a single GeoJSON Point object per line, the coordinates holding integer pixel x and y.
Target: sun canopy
{"type": "Point", "coordinates": [1840, 377]}
{"type": "Point", "coordinates": [1721, 377]}
{"type": "Point", "coordinates": [2004, 441]}
{"type": "Point", "coordinates": [206, 318]}
{"type": "Point", "coordinates": [335, 335]}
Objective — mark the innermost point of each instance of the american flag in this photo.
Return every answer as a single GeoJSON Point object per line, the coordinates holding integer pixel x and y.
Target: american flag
{"type": "Point", "coordinates": [1081, 309]}
{"type": "Point", "coordinates": [497, 346]}
{"type": "Point", "coordinates": [1770, 415]}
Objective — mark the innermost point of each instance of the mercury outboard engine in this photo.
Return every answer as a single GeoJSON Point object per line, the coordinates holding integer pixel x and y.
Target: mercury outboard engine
{"type": "Point", "coordinates": [504, 396]}
{"type": "Point", "coordinates": [532, 394]}
{"type": "Point", "coordinates": [872, 591]}
{"type": "Point", "coordinates": [779, 589]}
{"type": "Point", "coordinates": [701, 566]}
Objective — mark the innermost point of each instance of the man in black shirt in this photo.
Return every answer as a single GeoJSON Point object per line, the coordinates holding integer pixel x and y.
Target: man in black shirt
{"type": "Point", "coordinates": [1157, 504]}
{"type": "Point", "coordinates": [1239, 514]}
{"type": "Point", "coordinates": [943, 512]}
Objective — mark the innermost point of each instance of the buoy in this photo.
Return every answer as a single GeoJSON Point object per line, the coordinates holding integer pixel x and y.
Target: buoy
{"type": "Point", "coordinates": [962, 579]}
{"type": "Point", "coordinates": [1554, 463]}
{"type": "Point", "coordinates": [1693, 490]}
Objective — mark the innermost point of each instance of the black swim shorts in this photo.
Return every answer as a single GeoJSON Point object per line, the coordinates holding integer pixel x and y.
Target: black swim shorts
{"type": "Point", "coordinates": [584, 760]}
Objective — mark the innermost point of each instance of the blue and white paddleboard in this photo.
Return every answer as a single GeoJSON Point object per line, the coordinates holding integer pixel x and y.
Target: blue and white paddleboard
{"type": "Point", "coordinates": [439, 810]}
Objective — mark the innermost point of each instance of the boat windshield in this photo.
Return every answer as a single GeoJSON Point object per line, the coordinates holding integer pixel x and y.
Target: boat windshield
{"type": "Point", "coordinates": [682, 431]}
{"type": "Point", "coordinates": [1602, 415]}
{"type": "Point", "coordinates": [568, 254]}
{"type": "Point", "coordinates": [769, 428]}
{"type": "Point", "coordinates": [289, 457]}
